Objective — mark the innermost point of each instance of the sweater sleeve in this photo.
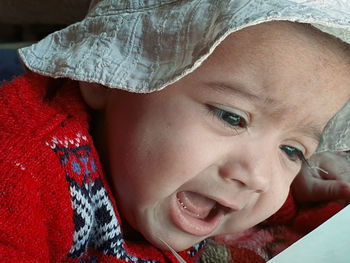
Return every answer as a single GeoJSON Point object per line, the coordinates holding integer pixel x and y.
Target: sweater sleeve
{"type": "Point", "coordinates": [22, 230]}
{"type": "Point", "coordinates": [35, 209]}
{"type": "Point", "coordinates": [35, 213]}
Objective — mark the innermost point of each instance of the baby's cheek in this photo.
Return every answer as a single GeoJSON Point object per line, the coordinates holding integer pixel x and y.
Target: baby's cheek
{"type": "Point", "coordinates": [277, 196]}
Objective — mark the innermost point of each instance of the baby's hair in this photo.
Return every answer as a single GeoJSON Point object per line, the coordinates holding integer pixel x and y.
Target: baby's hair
{"type": "Point", "coordinates": [305, 161]}
{"type": "Point", "coordinates": [53, 86]}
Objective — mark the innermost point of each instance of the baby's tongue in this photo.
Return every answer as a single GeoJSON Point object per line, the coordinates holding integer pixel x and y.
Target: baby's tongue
{"type": "Point", "coordinates": [198, 205]}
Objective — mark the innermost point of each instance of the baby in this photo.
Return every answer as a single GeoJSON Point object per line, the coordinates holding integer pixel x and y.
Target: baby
{"type": "Point", "coordinates": [216, 152]}
{"type": "Point", "coordinates": [213, 153]}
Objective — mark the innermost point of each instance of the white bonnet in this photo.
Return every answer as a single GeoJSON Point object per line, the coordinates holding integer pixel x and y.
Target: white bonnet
{"type": "Point", "coordinates": [144, 45]}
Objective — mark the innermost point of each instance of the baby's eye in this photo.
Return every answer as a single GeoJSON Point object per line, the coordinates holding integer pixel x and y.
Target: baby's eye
{"type": "Point", "coordinates": [229, 118]}
{"type": "Point", "coordinates": [293, 153]}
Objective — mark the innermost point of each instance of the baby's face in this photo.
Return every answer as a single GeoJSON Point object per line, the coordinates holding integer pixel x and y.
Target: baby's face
{"type": "Point", "coordinates": [216, 152]}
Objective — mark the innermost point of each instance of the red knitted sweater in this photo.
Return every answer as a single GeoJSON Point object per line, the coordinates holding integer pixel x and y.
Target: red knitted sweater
{"type": "Point", "coordinates": [55, 205]}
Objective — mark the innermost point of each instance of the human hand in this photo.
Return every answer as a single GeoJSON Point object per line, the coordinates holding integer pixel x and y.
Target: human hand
{"type": "Point", "coordinates": [329, 183]}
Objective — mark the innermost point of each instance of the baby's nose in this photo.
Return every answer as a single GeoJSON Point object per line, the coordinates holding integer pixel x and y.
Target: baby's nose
{"type": "Point", "coordinates": [248, 171]}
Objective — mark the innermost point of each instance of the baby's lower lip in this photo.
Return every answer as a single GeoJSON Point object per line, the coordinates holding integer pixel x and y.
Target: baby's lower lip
{"type": "Point", "coordinates": [191, 223]}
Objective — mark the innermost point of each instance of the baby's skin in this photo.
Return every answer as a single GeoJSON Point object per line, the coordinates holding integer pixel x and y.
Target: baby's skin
{"type": "Point", "coordinates": [217, 151]}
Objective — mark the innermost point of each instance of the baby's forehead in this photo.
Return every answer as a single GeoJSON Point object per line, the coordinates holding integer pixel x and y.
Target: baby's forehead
{"type": "Point", "coordinates": [288, 40]}
{"type": "Point", "coordinates": [284, 34]}
{"type": "Point", "coordinates": [285, 48]}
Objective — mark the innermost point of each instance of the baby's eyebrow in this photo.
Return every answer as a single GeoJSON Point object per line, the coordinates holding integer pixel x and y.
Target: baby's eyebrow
{"type": "Point", "coordinates": [312, 130]}
{"type": "Point", "coordinates": [248, 93]}
{"type": "Point", "coordinates": [238, 88]}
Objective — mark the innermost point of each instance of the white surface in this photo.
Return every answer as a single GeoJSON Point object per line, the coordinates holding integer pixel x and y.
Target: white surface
{"type": "Point", "coordinates": [329, 243]}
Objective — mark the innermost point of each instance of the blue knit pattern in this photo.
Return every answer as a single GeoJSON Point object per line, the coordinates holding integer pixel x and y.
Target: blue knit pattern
{"type": "Point", "coordinates": [95, 222]}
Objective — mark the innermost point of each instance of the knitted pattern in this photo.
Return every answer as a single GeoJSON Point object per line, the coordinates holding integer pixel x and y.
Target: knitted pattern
{"type": "Point", "coordinates": [55, 203]}
{"type": "Point", "coordinates": [95, 222]}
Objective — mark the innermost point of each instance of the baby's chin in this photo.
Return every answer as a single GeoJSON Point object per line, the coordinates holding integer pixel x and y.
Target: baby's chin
{"type": "Point", "coordinates": [178, 240]}
{"type": "Point", "coordinates": [155, 226]}
{"type": "Point", "coordinates": [165, 242]}
{"type": "Point", "coordinates": [161, 241]}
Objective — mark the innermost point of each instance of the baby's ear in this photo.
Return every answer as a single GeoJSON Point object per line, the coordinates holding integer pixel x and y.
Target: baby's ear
{"type": "Point", "coordinates": [94, 94]}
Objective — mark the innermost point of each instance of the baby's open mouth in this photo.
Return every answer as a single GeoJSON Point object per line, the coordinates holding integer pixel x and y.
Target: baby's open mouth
{"type": "Point", "coordinates": [196, 205]}
{"type": "Point", "coordinates": [196, 214]}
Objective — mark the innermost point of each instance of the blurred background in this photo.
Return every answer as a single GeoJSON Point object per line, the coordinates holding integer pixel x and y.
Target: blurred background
{"type": "Point", "coordinates": [29, 21]}
{"type": "Point", "coordinates": [23, 22]}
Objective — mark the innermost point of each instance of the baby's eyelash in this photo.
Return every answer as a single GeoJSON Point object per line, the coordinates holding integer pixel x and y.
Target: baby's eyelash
{"type": "Point", "coordinates": [229, 119]}
{"type": "Point", "coordinates": [294, 153]}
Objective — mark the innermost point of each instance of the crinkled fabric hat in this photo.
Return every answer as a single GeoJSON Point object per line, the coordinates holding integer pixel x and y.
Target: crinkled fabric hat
{"type": "Point", "coordinates": [143, 46]}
